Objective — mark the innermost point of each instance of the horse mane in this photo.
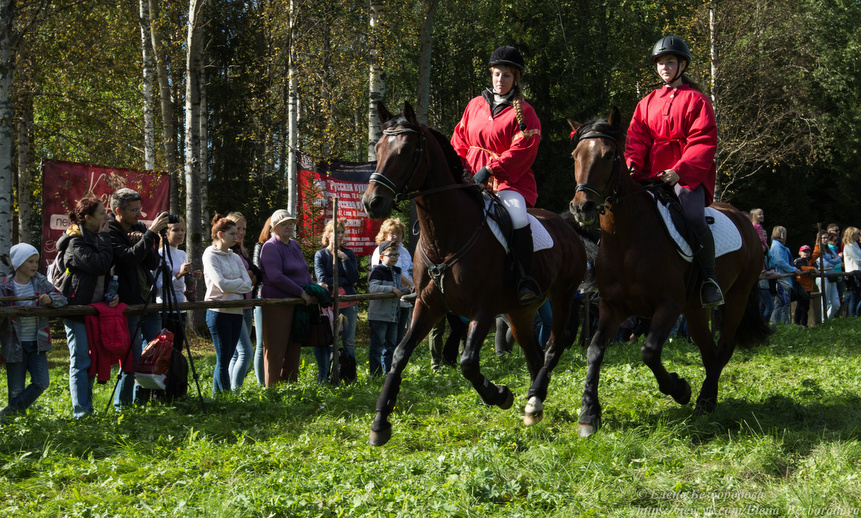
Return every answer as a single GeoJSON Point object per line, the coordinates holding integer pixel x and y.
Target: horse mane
{"type": "Point", "coordinates": [453, 160]}
{"type": "Point", "coordinates": [451, 157]}
{"type": "Point", "coordinates": [601, 125]}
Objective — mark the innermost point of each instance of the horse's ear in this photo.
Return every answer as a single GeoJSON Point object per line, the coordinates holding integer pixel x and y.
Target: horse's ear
{"type": "Point", "coordinates": [574, 127]}
{"type": "Point", "coordinates": [409, 113]}
{"type": "Point", "coordinates": [615, 119]}
{"type": "Point", "coordinates": [383, 113]}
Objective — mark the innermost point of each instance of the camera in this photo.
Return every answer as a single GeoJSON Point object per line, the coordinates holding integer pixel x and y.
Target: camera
{"type": "Point", "coordinates": [171, 218]}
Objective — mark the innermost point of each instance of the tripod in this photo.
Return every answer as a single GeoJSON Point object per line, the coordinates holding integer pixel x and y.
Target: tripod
{"type": "Point", "coordinates": [170, 315]}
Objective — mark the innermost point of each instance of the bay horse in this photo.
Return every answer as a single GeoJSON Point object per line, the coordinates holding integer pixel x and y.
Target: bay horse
{"type": "Point", "coordinates": [459, 266]}
{"type": "Point", "coordinates": [640, 272]}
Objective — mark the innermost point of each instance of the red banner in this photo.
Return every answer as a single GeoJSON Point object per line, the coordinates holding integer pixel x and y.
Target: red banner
{"type": "Point", "coordinates": [64, 183]}
{"type": "Point", "coordinates": [347, 181]}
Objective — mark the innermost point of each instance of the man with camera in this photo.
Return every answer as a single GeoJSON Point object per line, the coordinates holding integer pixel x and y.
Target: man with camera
{"type": "Point", "coordinates": [135, 258]}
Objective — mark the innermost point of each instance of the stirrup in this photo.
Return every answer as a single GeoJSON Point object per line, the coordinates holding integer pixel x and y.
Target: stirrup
{"type": "Point", "coordinates": [410, 298]}
{"type": "Point", "coordinates": [525, 295]}
{"type": "Point", "coordinates": [716, 299]}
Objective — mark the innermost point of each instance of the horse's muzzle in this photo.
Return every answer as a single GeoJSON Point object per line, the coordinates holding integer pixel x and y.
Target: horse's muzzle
{"type": "Point", "coordinates": [585, 214]}
{"type": "Point", "coordinates": [376, 206]}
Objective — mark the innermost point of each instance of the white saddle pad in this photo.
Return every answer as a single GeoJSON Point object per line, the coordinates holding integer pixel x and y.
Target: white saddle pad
{"type": "Point", "coordinates": [541, 239]}
{"type": "Point", "coordinates": [726, 234]}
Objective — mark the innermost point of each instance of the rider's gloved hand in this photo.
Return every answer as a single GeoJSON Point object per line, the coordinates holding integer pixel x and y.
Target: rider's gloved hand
{"type": "Point", "coordinates": [482, 176]}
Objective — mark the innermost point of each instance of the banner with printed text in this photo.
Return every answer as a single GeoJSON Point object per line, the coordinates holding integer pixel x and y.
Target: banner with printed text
{"type": "Point", "coordinates": [64, 183]}
{"type": "Point", "coordinates": [319, 184]}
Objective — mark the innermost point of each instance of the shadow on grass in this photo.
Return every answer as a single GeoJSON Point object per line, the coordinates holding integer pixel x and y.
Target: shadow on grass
{"type": "Point", "coordinates": [803, 425]}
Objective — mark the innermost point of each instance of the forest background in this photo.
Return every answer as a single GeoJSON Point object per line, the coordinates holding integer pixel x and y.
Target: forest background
{"type": "Point", "coordinates": [202, 89]}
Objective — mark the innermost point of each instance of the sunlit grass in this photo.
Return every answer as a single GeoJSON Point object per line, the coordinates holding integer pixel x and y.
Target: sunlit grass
{"type": "Point", "coordinates": [784, 441]}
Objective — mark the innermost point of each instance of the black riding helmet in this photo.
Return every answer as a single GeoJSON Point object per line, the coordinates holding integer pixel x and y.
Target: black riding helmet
{"type": "Point", "coordinates": [672, 45]}
{"type": "Point", "coordinates": [507, 55]}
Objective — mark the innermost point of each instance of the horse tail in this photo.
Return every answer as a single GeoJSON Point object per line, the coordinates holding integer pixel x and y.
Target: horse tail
{"type": "Point", "coordinates": [590, 240]}
{"type": "Point", "coordinates": [752, 331]}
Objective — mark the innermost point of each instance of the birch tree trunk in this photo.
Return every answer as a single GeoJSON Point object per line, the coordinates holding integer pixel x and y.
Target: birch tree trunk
{"type": "Point", "coordinates": [149, 119]}
{"type": "Point", "coordinates": [194, 235]}
{"type": "Point", "coordinates": [292, 117]}
{"type": "Point", "coordinates": [168, 114]}
{"type": "Point", "coordinates": [25, 122]}
{"type": "Point", "coordinates": [7, 69]}
{"type": "Point", "coordinates": [423, 94]}
{"type": "Point", "coordinates": [713, 80]}
{"type": "Point", "coordinates": [377, 86]}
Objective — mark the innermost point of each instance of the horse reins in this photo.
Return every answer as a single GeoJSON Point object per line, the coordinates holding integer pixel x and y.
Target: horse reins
{"type": "Point", "coordinates": [417, 157]}
{"type": "Point", "coordinates": [585, 187]}
{"type": "Point", "coordinates": [614, 197]}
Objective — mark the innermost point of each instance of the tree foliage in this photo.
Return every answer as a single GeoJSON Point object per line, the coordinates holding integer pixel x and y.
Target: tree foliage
{"type": "Point", "coordinates": [786, 91]}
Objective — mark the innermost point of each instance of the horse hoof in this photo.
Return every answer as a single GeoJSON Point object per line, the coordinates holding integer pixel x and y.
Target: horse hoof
{"type": "Point", "coordinates": [586, 430]}
{"type": "Point", "coordinates": [534, 411]}
{"type": "Point", "coordinates": [705, 407]}
{"type": "Point", "coordinates": [685, 398]}
{"type": "Point", "coordinates": [509, 398]}
{"type": "Point", "coordinates": [379, 438]}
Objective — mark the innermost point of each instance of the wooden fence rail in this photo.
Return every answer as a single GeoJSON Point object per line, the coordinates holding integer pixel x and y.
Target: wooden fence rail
{"type": "Point", "coordinates": [76, 311]}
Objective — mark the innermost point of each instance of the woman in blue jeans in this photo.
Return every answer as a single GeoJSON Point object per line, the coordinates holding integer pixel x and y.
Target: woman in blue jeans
{"type": "Point", "coordinates": [852, 264]}
{"type": "Point", "coordinates": [348, 276]}
{"type": "Point", "coordinates": [265, 235]}
{"type": "Point", "coordinates": [781, 258]}
{"type": "Point", "coordinates": [84, 252]}
{"type": "Point", "coordinates": [240, 364]}
{"type": "Point", "coordinates": [226, 279]}
{"type": "Point", "coordinates": [826, 260]}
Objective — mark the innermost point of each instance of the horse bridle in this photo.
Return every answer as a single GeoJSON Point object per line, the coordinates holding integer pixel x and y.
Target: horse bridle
{"type": "Point", "coordinates": [417, 157]}
{"type": "Point", "coordinates": [607, 200]}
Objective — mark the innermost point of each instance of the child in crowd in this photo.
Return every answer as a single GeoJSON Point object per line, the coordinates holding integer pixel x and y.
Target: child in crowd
{"type": "Point", "coordinates": [383, 313]}
{"type": "Point", "coordinates": [804, 263]}
{"type": "Point", "coordinates": [181, 272]}
{"type": "Point", "coordinates": [25, 340]}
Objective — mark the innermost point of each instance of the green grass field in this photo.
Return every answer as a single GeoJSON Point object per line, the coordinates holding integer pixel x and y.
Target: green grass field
{"type": "Point", "coordinates": [783, 442]}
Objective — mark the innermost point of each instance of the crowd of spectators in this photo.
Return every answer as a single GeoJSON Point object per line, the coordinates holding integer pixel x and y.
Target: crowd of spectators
{"type": "Point", "coordinates": [113, 243]}
{"type": "Point", "coordinates": [825, 269]}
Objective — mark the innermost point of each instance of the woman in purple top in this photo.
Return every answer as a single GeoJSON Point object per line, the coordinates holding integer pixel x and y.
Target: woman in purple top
{"type": "Point", "coordinates": [284, 271]}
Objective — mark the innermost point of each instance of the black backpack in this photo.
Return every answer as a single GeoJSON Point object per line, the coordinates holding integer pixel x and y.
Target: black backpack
{"type": "Point", "coordinates": [57, 272]}
{"type": "Point", "coordinates": [346, 366]}
{"type": "Point", "coordinates": [176, 384]}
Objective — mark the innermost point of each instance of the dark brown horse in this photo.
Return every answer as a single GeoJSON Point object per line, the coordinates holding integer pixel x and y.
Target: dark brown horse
{"type": "Point", "coordinates": [640, 272]}
{"type": "Point", "coordinates": [459, 267]}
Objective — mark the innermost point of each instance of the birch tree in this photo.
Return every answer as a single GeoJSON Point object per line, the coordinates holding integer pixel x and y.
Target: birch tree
{"type": "Point", "coordinates": [194, 236]}
{"type": "Point", "coordinates": [168, 113]}
{"type": "Point", "coordinates": [148, 79]}
{"type": "Point", "coordinates": [292, 115]}
{"type": "Point", "coordinates": [8, 43]}
{"type": "Point", "coordinates": [377, 87]}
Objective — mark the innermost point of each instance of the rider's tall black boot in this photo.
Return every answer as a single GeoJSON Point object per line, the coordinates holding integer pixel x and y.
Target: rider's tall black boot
{"type": "Point", "coordinates": [710, 292]}
{"type": "Point", "coordinates": [528, 290]}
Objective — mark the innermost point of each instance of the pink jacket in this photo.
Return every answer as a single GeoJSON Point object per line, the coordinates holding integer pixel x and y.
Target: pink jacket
{"type": "Point", "coordinates": [674, 128]}
{"type": "Point", "coordinates": [497, 143]}
{"type": "Point", "coordinates": [108, 335]}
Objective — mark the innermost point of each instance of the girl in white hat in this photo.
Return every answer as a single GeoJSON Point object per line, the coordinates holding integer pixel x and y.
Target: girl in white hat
{"type": "Point", "coordinates": [26, 340]}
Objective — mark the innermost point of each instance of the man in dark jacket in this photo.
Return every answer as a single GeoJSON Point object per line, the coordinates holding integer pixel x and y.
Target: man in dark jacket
{"type": "Point", "coordinates": [135, 257]}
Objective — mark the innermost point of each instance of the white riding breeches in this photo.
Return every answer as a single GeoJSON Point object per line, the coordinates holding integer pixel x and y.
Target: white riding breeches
{"type": "Point", "coordinates": [516, 206]}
